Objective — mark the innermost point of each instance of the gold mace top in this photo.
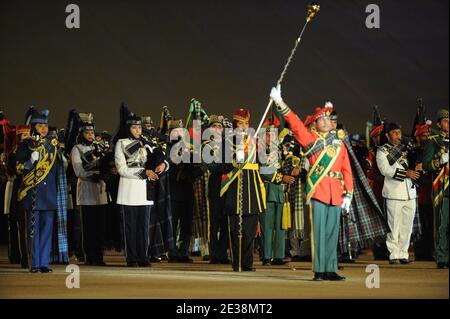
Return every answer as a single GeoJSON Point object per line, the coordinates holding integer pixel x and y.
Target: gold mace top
{"type": "Point", "coordinates": [313, 8]}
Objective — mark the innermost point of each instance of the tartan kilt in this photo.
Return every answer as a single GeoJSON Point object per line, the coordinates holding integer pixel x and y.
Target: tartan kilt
{"type": "Point", "coordinates": [365, 223]}
{"type": "Point", "coordinates": [295, 196]}
{"type": "Point", "coordinates": [201, 207]}
{"type": "Point", "coordinates": [160, 228]}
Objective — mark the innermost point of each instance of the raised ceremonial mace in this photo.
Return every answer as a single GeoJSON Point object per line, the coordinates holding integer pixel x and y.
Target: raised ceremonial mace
{"type": "Point", "coordinates": [313, 8]}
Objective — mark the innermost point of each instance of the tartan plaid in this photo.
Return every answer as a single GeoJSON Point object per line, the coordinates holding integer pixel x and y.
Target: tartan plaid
{"type": "Point", "coordinates": [160, 227]}
{"type": "Point", "coordinates": [417, 226]}
{"type": "Point", "coordinates": [201, 207]}
{"type": "Point", "coordinates": [61, 254]}
{"type": "Point", "coordinates": [318, 145]}
{"type": "Point", "coordinates": [394, 153]}
{"type": "Point", "coordinates": [365, 224]}
{"type": "Point", "coordinates": [295, 198]}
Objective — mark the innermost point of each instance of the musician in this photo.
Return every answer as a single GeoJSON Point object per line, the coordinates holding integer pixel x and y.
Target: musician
{"type": "Point", "coordinates": [17, 226]}
{"type": "Point", "coordinates": [423, 246]}
{"type": "Point", "coordinates": [244, 192]}
{"type": "Point", "coordinates": [435, 160]}
{"type": "Point", "coordinates": [147, 122]}
{"type": "Point", "coordinates": [131, 158]}
{"type": "Point", "coordinates": [218, 218]}
{"type": "Point", "coordinates": [161, 230]}
{"type": "Point", "coordinates": [399, 193]}
{"type": "Point", "coordinates": [181, 176]}
{"type": "Point", "coordinates": [275, 181]}
{"type": "Point", "coordinates": [42, 193]}
{"type": "Point", "coordinates": [329, 185]}
{"type": "Point", "coordinates": [91, 191]}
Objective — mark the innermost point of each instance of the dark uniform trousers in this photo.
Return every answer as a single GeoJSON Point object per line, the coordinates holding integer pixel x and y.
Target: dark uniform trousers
{"type": "Point", "coordinates": [182, 215]}
{"type": "Point", "coordinates": [249, 224]}
{"type": "Point", "coordinates": [93, 232]}
{"type": "Point", "coordinates": [136, 221]}
{"type": "Point", "coordinates": [17, 240]}
{"type": "Point", "coordinates": [218, 229]}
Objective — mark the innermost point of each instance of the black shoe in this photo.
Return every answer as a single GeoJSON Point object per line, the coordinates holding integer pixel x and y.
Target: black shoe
{"type": "Point", "coordinates": [332, 276]}
{"type": "Point", "coordinates": [442, 266]}
{"type": "Point", "coordinates": [155, 259]}
{"type": "Point", "coordinates": [196, 254]}
{"type": "Point", "coordinates": [252, 269]}
{"type": "Point", "coordinates": [133, 265]}
{"type": "Point", "coordinates": [235, 268]}
{"type": "Point", "coordinates": [393, 261]}
{"type": "Point", "coordinates": [318, 276]}
{"type": "Point", "coordinates": [404, 261]}
{"type": "Point", "coordinates": [206, 258]}
{"type": "Point", "coordinates": [163, 257]}
{"type": "Point", "coordinates": [278, 262]}
{"type": "Point", "coordinates": [266, 262]}
{"type": "Point", "coordinates": [45, 270]}
{"type": "Point", "coordinates": [225, 261]}
{"type": "Point", "coordinates": [34, 270]}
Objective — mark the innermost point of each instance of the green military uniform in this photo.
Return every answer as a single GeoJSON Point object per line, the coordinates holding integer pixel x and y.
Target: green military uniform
{"type": "Point", "coordinates": [433, 150]}
{"type": "Point", "coordinates": [272, 233]}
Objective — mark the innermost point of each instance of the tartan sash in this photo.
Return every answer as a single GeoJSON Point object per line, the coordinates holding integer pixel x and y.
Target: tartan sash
{"type": "Point", "coordinates": [440, 185]}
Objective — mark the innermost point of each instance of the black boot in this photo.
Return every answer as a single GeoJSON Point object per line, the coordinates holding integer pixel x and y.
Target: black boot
{"type": "Point", "coordinates": [318, 276]}
{"type": "Point", "coordinates": [332, 276]}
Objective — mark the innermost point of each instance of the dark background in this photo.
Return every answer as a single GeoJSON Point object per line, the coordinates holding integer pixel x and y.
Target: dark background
{"type": "Point", "coordinates": [228, 54]}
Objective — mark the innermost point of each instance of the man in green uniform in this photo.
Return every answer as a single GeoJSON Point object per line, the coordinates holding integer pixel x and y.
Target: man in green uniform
{"type": "Point", "coordinates": [273, 234]}
{"type": "Point", "coordinates": [435, 160]}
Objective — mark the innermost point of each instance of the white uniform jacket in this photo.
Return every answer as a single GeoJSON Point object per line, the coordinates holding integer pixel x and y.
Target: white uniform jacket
{"type": "Point", "coordinates": [130, 159]}
{"type": "Point", "coordinates": [88, 191]}
{"type": "Point", "coordinates": [396, 185]}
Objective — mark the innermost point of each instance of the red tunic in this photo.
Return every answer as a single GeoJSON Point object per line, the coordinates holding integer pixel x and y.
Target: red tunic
{"type": "Point", "coordinates": [330, 190]}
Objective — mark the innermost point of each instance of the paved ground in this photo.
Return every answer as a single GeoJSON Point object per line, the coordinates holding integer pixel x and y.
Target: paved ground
{"type": "Point", "coordinates": [202, 280]}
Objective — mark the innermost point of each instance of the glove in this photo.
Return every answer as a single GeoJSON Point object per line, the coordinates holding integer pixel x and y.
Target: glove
{"type": "Point", "coordinates": [240, 155]}
{"type": "Point", "coordinates": [275, 94]}
{"type": "Point", "coordinates": [346, 204]}
{"type": "Point", "coordinates": [444, 158]}
{"type": "Point", "coordinates": [34, 156]}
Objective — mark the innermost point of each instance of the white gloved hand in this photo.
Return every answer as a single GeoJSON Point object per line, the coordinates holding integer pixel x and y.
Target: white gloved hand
{"type": "Point", "coordinates": [275, 94]}
{"type": "Point", "coordinates": [444, 158]}
{"type": "Point", "coordinates": [34, 156]}
{"type": "Point", "coordinates": [240, 155]}
{"type": "Point", "coordinates": [346, 204]}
